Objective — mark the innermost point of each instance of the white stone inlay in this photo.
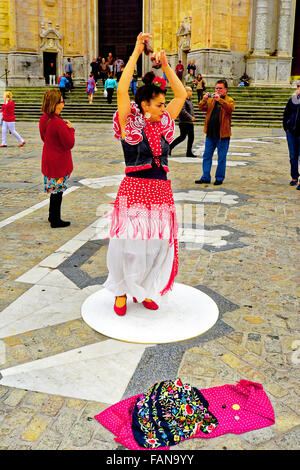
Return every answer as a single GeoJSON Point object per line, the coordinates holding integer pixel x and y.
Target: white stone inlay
{"type": "Point", "coordinates": [31, 209]}
{"type": "Point", "coordinates": [42, 306]}
{"type": "Point", "coordinates": [97, 372]}
{"type": "Point", "coordinates": [97, 183]}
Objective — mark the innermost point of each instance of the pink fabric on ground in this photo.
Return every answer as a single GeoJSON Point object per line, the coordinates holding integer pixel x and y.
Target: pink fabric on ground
{"type": "Point", "coordinates": [255, 412]}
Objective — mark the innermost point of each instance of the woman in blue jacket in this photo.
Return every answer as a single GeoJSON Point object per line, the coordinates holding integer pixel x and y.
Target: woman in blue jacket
{"type": "Point", "coordinates": [110, 85]}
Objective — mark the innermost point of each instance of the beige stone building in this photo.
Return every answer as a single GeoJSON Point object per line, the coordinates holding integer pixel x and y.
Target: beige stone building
{"type": "Point", "coordinates": [224, 37]}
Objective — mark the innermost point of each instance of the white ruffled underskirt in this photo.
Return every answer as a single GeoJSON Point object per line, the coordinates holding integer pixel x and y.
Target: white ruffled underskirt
{"type": "Point", "coordinates": [139, 268]}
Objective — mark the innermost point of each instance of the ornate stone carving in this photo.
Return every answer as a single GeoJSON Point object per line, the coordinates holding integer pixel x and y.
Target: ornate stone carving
{"type": "Point", "coordinates": [50, 38]}
{"type": "Point", "coordinates": [283, 43]}
{"type": "Point", "coordinates": [184, 36]}
{"type": "Point", "coordinates": [261, 26]}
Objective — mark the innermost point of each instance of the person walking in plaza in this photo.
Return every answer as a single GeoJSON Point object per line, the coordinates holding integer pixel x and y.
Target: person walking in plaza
{"type": "Point", "coordinates": [62, 85]}
{"type": "Point", "coordinates": [118, 67]}
{"type": "Point", "coordinates": [69, 73]}
{"type": "Point", "coordinates": [104, 70]}
{"type": "Point", "coordinates": [90, 88]}
{"type": "Point", "coordinates": [110, 62]}
{"type": "Point", "coordinates": [142, 256]}
{"type": "Point", "coordinates": [52, 74]}
{"type": "Point", "coordinates": [189, 79]}
{"type": "Point", "coordinates": [133, 83]}
{"type": "Point", "coordinates": [57, 165]}
{"type": "Point", "coordinates": [217, 127]}
{"type": "Point", "coordinates": [179, 69]}
{"type": "Point", "coordinates": [8, 120]}
{"type": "Point", "coordinates": [95, 70]}
{"type": "Point", "coordinates": [186, 125]}
{"type": "Point", "coordinates": [291, 125]}
{"type": "Point", "coordinates": [110, 85]}
{"type": "Point", "coordinates": [200, 86]}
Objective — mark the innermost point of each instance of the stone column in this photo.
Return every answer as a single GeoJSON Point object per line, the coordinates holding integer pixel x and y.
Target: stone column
{"type": "Point", "coordinates": [261, 27]}
{"type": "Point", "coordinates": [284, 28]}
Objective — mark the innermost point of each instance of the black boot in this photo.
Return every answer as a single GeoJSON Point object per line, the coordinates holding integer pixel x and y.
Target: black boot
{"type": "Point", "coordinates": [54, 211]}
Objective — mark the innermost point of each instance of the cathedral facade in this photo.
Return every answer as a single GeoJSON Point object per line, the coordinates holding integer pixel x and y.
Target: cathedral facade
{"type": "Point", "coordinates": [225, 38]}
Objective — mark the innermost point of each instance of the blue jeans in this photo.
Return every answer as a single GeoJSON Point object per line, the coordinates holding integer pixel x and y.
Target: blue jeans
{"type": "Point", "coordinates": [133, 87]}
{"type": "Point", "coordinates": [222, 146]}
{"type": "Point", "coordinates": [294, 150]}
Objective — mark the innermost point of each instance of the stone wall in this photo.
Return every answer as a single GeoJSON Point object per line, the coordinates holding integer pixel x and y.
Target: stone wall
{"type": "Point", "coordinates": [30, 27]}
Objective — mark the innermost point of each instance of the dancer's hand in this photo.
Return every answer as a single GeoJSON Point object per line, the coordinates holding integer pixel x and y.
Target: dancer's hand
{"type": "Point", "coordinates": [160, 57]}
{"type": "Point", "coordinates": [139, 45]}
{"type": "Point", "coordinates": [69, 124]}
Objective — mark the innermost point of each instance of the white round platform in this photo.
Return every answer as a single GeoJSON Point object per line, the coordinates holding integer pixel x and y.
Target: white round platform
{"type": "Point", "coordinates": [185, 313]}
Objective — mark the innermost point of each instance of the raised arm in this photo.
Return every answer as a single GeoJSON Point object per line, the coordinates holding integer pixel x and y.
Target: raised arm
{"type": "Point", "coordinates": [180, 94]}
{"type": "Point", "coordinates": [123, 98]}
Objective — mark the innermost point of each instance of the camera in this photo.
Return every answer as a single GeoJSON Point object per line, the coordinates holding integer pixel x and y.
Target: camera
{"type": "Point", "coordinates": [211, 95]}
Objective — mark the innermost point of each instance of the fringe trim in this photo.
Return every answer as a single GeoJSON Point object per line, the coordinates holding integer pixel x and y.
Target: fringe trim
{"type": "Point", "coordinates": [137, 221]}
{"type": "Point", "coordinates": [174, 271]}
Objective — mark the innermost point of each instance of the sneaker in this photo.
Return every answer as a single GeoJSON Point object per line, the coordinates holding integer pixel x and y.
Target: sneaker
{"type": "Point", "coordinates": [217, 183]}
{"type": "Point", "coordinates": [293, 182]}
{"type": "Point", "coordinates": [21, 145]}
{"type": "Point", "coordinates": [298, 187]}
{"type": "Point", "coordinates": [3, 145]}
{"type": "Point", "coordinates": [201, 181]}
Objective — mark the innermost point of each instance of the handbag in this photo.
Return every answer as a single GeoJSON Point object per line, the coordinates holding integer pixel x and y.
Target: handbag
{"type": "Point", "coordinates": [105, 93]}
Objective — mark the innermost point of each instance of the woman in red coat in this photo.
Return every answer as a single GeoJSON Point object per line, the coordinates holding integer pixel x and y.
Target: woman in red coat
{"type": "Point", "coordinates": [59, 138]}
{"type": "Point", "coordinates": [8, 123]}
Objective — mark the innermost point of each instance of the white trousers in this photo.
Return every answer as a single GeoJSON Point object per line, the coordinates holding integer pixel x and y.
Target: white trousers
{"type": "Point", "coordinates": [139, 268]}
{"type": "Point", "coordinates": [51, 79]}
{"type": "Point", "coordinates": [11, 126]}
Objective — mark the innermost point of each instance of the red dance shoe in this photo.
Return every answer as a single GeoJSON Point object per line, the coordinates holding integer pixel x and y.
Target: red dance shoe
{"type": "Point", "coordinates": [120, 310]}
{"type": "Point", "coordinates": [134, 299]}
{"type": "Point", "coordinates": [150, 304]}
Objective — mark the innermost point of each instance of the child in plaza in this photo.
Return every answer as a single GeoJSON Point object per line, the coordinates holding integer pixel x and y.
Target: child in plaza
{"type": "Point", "coordinates": [142, 256]}
{"type": "Point", "coordinates": [59, 138]}
{"type": "Point", "coordinates": [8, 121]}
{"type": "Point", "coordinates": [90, 88]}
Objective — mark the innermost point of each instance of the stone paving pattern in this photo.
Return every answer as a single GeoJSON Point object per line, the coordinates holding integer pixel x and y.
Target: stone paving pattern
{"type": "Point", "coordinates": [260, 278]}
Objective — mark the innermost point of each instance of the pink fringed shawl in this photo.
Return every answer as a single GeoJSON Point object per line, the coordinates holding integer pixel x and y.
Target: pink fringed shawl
{"type": "Point", "coordinates": [239, 408]}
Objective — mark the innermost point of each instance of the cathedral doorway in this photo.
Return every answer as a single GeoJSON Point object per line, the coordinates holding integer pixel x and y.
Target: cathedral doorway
{"type": "Point", "coordinates": [119, 27]}
{"type": "Point", "coordinates": [49, 60]}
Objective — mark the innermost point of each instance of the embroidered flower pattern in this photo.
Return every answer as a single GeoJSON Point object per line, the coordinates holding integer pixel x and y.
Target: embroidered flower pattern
{"type": "Point", "coordinates": [136, 123]}
{"type": "Point", "coordinates": [169, 413]}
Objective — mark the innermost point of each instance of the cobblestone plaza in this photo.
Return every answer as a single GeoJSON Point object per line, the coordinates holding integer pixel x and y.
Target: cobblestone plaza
{"type": "Point", "coordinates": [57, 372]}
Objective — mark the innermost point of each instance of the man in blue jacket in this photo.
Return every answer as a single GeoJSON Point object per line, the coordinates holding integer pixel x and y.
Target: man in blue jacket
{"type": "Point", "coordinates": [291, 125]}
{"type": "Point", "coordinates": [63, 82]}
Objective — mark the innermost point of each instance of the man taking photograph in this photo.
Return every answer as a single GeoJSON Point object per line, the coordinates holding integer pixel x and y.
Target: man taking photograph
{"type": "Point", "coordinates": [219, 108]}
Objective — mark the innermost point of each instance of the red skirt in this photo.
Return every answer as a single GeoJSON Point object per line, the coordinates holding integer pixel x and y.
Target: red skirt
{"type": "Point", "coordinates": [145, 209]}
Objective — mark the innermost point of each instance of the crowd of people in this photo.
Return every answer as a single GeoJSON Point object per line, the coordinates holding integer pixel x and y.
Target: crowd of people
{"type": "Point", "coordinates": [149, 108]}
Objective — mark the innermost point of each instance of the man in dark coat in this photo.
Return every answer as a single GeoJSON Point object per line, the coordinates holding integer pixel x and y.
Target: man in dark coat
{"type": "Point", "coordinates": [95, 69]}
{"type": "Point", "coordinates": [186, 125]}
{"type": "Point", "coordinates": [291, 125]}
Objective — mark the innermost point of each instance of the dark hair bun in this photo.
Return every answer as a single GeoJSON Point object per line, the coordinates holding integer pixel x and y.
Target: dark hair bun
{"type": "Point", "coordinates": [148, 78]}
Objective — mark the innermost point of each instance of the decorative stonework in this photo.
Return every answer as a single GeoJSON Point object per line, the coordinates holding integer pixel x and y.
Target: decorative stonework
{"type": "Point", "coordinates": [50, 38]}
{"type": "Point", "coordinates": [184, 37]}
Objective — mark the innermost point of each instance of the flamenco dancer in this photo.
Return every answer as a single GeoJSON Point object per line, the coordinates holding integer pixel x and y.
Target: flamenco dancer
{"type": "Point", "coordinates": [142, 256]}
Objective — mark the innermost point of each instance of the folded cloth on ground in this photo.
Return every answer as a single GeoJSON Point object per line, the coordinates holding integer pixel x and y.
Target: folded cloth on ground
{"type": "Point", "coordinates": [171, 411]}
